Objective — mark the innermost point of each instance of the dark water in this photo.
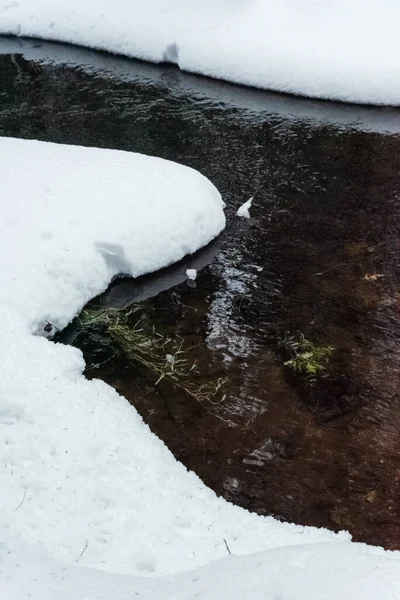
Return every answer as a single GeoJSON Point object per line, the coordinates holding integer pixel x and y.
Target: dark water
{"type": "Point", "coordinates": [319, 256]}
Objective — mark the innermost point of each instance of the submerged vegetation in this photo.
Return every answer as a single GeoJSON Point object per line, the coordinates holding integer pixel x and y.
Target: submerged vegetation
{"type": "Point", "coordinates": [307, 359]}
{"type": "Point", "coordinates": [139, 343]}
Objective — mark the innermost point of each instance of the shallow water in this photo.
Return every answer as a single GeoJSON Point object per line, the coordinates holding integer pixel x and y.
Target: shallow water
{"type": "Point", "coordinates": [319, 256]}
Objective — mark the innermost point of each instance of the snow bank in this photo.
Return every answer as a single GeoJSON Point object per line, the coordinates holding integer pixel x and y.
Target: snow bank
{"type": "Point", "coordinates": [340, 49]}
{"type": "Point", "coordinates": [72, 218]}
{"type": "Point", "coordinates": [83, 481]}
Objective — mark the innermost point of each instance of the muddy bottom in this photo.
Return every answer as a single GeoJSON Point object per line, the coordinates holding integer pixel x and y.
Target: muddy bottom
{"type": "Point", "coordinates": [319, 257]}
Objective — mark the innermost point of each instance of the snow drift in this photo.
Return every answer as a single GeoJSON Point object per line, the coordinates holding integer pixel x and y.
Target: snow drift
{"type": "Point", "coordinates": [85, 487]}
{"type": "Point", "coordinates": [73, 217]}
{"type": "Point", "coordinates": [345, 50]}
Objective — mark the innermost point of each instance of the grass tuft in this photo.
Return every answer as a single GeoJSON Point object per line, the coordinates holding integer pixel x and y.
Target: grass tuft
{"type": "Point", "coordinates": [152, 351]}
{"type": "Point", "coordinates": [307, 358]}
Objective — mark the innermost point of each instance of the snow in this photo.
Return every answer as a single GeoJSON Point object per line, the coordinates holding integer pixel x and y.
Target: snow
{"type": "Point", "coordinates": [243, 211]}
{"type": "Point", "coordinates": [345, 50]}
{"type": "Point", "coordinates": [86, 216]}
{"type": "Point", "coordinates": [313, 572]}
{"type": "Point", "coordinates": [192, 274]}
{"type": "Point", "coordinates": [92, 504]}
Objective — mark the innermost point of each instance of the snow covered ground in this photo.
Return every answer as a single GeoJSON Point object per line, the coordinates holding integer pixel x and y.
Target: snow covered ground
{"type": "Point", "coordinates": [309, 572]}
{"type": "Point", "coordinates": [340, 49]}
{"type": "Point", "coordinates": [85, 487]}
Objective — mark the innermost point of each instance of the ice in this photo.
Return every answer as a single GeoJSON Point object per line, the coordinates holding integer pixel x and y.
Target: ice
{"type": "Point", "coordinates": [92, 504]}
{"type": "Point", "coordinates": [345, 50]}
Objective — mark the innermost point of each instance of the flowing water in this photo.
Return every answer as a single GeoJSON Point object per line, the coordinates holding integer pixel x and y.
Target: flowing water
{"type": "Point", "coordinates": [319, 257]}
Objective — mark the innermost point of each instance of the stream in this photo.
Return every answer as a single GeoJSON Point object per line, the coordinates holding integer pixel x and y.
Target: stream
{"type": "Point", "coordinates": [319, 257]}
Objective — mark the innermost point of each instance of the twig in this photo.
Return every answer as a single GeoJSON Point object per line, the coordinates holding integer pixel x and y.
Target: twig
{"type": "Point", "coordinates": [49, 326]}
{"type": "Point", "coordinates": [334, 267]}
{"type": "Point", "coordinates": [103, 362]}
{"type": "Point", "coordinates": [21, 503]}
{"type": "Point", "coordinates": [257, 190]}
{"type": "Point", "coordinates": [227, 547]}
{"type": "Point", "coordinates": [287, 209]}
{"type": "Point", "coordinates": [86, 545]}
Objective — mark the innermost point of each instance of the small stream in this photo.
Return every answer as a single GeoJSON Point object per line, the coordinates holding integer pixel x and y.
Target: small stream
{"type": "Point", "coordinates": [319, 257]}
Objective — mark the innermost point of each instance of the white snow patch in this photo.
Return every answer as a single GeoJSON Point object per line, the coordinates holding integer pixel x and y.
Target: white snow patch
{"type": "Point", "coordinates": [84, 484]}
{"type": "Point", "coordinates": [345, 50]}
{"type": "Point", "coordinates": [191, 274]}
{"type": "Point", "coordinates": [243, 211]}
